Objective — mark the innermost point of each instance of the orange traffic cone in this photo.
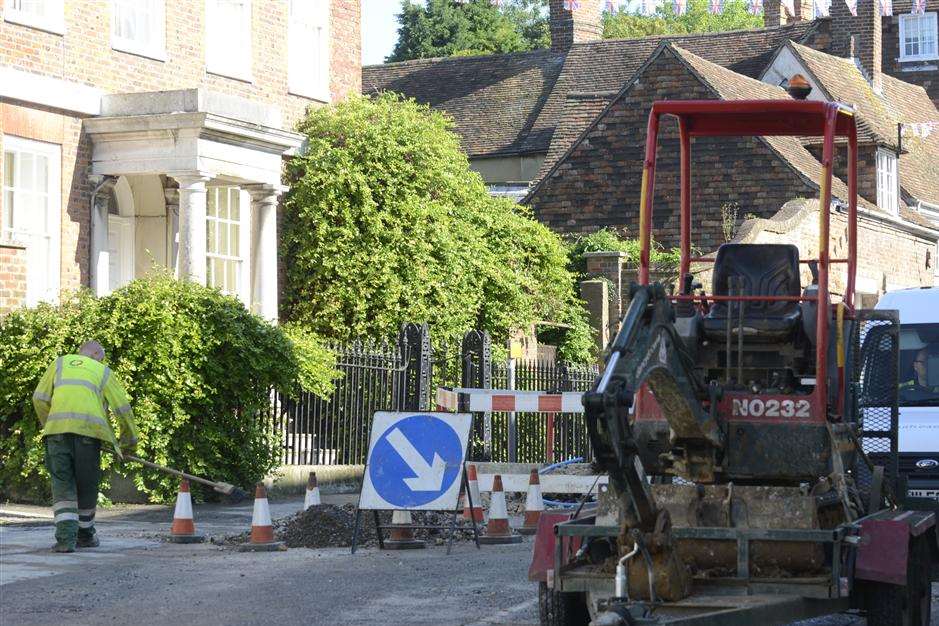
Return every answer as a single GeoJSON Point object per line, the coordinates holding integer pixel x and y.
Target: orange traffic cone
{"type": "Point", "coordinates": [477, 512]}
{"type": "Point", "coordinates": [498, 530]}
{"type": "Point", "coordinates": [534, 505]}
{"type": "Point", "coordinates": [312, 492]}
{"type": "Point", "coordinates": [262, 532]}
{"type": "Point", "coordinates": [402, 538]}
{"type": "Point", "coordinates": [183, 529]}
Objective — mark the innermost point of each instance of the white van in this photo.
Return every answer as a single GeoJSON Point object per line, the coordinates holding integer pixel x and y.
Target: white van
{"type": "Point", "coordinates": [919, 386]}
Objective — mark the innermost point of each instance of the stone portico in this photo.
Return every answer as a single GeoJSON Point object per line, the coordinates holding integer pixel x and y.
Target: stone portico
{"type": "Point", "coordinates": [188, 180]}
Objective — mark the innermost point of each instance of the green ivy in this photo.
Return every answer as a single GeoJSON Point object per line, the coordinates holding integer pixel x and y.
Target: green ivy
{"type": "Point", "coordinates": [385, 222]}
{"type": "Point", "coordinates": [197, 365]}
{"type": "Point", "coordinates": [609, 240]}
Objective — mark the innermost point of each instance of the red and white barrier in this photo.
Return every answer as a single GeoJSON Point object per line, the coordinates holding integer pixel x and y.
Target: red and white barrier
{"type": "Point", "coordinates": [494, 400]}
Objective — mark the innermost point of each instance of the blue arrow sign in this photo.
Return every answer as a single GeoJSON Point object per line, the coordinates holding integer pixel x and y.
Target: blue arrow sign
{"type": "Point", "coordinates": [415, 460]}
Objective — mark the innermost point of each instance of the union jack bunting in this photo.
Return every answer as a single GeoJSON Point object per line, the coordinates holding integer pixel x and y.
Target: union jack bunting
{"type": "Point", "coordinates": [572, 5]}
{"type": "Point", "coordinates": [755, 7]}
{"type": "Point", "coordinates": [852, 6]}
{"type": "Point", "coordinates": [680, 6]}
{"type": "Point", "coordinates": [886, 7]}
{"type": "Point", "coordinates": [714, 6]}
{"type": "Point", "coordinates": [919, 7]}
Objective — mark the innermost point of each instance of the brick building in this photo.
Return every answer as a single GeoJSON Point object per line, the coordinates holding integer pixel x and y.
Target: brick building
{"type": "Point", "coordinates": [138, 133]}
{"type": "Point", "coordinates": [581, 110]}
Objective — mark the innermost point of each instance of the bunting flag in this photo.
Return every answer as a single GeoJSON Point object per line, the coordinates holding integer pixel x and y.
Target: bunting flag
{"type": "Point", "coordinates": [714, 6]}
{"type": "Point", "coordinates": [610, 6]}
{"type": "Point", "coordinates": [852, 6]}
{"type": "Point", "coordinates": [572, 5]}
{"type": "Point", "coordinates": [822, 8]}
{"type": "Point", "coordinates": [755, 7]}
{"type": "Point", "coordinates": [919, 129]}
{"type": "Point", "coordinates": [886, 7]}
{"type": "Point", "coordinates": [919, 7]}
{"type": "Point", "coordinates": [680, 6]}
{"type": "Point", "coordinates": [789, 6]}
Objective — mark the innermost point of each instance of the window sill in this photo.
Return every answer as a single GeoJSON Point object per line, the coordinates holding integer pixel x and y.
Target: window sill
{"type": "Point", "coordinates": [325, 98]}
{"type": "Point", "coordinates": [245, 78]}
{"type": "Point", "coordinates": [50, 26]}
{"type": "Point", "coordinates": [153, 55]}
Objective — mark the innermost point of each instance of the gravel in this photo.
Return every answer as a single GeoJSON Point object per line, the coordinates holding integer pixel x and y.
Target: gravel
{"type": "Point", "coordinates": [331, 526]}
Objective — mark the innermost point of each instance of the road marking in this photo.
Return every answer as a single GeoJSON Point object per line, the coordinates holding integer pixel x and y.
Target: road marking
{"type": "Point", "coordinates": [504, 614]}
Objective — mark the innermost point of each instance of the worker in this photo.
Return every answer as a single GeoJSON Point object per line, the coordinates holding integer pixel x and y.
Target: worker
{"type": "Point", "coordinates": [72, 401]}
{"type": "Point", "coordinates": [919, 383]}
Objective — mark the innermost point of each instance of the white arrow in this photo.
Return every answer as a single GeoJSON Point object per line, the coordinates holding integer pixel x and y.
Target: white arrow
{"type": "Point", "coordinates": [428, 477]}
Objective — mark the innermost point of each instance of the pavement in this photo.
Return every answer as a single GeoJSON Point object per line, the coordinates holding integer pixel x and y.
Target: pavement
{"type": "Point", "coordinates": [134, 577]}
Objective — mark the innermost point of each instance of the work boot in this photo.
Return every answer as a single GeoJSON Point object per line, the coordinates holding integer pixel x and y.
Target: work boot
{"type": "Point", "coordinates": [63, 547]}
{"type": "Point", "coordinates": [88, 542]}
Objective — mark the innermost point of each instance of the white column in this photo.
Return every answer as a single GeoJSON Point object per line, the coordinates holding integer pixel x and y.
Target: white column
{"type": "Point", "coordinates": [100, 256]}
{"type": "Point", "coordinates": [264, 249]}
{"type": "Point", "coordinates": [192, 198]}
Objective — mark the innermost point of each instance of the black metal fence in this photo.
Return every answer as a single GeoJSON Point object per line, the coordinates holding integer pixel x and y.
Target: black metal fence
{"type": "Point", "coordinates": [404, 376]}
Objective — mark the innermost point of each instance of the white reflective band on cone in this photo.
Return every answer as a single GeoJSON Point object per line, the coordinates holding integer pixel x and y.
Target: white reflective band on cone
{"type": "Point", "coordinates": [497, 508]}
{"type": "Point", "coordinates": [533, 501]}
{"type": "Point", "coordinates": [262, 513]}
{"type": "Point", "coordinates": [183, 506]}
{"type": "Point", "coordinates": [401, 517]}
{"type": "Point", "coordinates": [312, 498]}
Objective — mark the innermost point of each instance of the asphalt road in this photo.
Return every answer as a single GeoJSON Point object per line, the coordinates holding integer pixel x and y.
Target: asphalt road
{"type": "Point", "coordinates": [133, 578]}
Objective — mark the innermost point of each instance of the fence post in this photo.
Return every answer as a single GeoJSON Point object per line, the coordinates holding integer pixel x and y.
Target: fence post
{"type": "Point", "coordinates": [414, 342]}
{"type": "Point", "coordinates": [513, 416]}
{"type": "Point", "coordinates": [476, 357]}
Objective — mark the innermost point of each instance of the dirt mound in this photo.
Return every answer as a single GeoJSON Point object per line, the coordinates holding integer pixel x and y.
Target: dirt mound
{"type": "Point", "coordinates": [330, 526]}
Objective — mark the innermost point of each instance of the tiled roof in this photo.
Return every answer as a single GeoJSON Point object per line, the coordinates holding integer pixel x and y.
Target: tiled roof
{"type": "Point", "coordinates": [513, 103]}
{"type": "Point", "coordinates": [879, 115]}
{"type": "Point", "coordinates": [493, 99]}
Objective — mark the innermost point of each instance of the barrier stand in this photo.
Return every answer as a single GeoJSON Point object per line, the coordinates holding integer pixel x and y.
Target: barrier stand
{"type": "Point", "coordinates": [452, 527]}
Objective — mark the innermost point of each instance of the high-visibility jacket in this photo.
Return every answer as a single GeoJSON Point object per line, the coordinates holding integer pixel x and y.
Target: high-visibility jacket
{"type": "Point", "coordinates": [74, 395]}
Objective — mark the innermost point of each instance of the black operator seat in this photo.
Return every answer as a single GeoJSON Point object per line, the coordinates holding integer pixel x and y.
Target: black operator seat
{"type": "Point", "coordinates": [766, 270]}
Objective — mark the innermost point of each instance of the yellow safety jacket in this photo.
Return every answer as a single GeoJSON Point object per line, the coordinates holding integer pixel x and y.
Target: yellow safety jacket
{"type": "Point", "coordinates": [73, 397]}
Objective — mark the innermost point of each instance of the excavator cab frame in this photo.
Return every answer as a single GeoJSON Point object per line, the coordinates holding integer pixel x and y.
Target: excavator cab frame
{"type": "Point", "coordinates": [802, 118]}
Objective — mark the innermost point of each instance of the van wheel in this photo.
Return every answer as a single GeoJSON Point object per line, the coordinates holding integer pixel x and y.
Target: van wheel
{"type": "Point", "coordinates": [910, 605]}
{"type": "Point", "coordinates": [562, 609]}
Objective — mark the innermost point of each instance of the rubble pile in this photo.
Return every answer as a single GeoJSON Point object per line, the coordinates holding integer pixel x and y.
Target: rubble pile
{"type": "Point", "coordinates": [331, 526]}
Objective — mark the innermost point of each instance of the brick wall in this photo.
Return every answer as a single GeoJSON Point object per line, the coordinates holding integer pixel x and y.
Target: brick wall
{"type": "Point", "coordinates": [12, 277]}
{"type": "Point", "coordinates": [866, 167]}
{"type": "Point", "coordinates": [84, 55]}
{"type": "Point", "coordinates": [599, 183]}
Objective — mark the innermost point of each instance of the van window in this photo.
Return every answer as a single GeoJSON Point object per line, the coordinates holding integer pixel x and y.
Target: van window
{"type": "Point", "coordinates": [919, 365]}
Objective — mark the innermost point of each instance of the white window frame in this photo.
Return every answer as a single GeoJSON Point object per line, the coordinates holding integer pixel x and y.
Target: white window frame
{"type": "Point", "coordinates": [156, 48]}
{"type": "Point", "coordinates": [307, 54]}
{"type": "Point", "coordinates": [930, 22]}
{"type": "Point", "coordinates": [53, 22]}
{"type": "Point", "coordinates": [241, 288]}
{"type": "Point", "coordinates": [888, 181]}
{"type": "Point", "coordinates": [218, 53]}
{"type": "Point", "coordinates": [53, 194]}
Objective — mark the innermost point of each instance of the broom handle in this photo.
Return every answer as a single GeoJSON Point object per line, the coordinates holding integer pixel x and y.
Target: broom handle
{"type": "Point", "coordinates": [170, 470]}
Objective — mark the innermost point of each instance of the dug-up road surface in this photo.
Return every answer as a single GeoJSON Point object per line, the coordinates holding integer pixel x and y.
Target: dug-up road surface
{"type": "Point", "coordinates": [135, 578]}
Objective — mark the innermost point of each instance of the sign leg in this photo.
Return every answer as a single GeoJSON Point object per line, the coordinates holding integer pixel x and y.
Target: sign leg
{"type": "Point", "coordinates": [355, 529]}
{"type": "Point", "coordinates": [381, 542]}
{"type": "Point", "coordinates": [469, 500]}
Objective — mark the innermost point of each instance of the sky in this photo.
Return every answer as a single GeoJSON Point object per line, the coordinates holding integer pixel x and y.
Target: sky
{"type": "Point", "coordinates": [379, 29]}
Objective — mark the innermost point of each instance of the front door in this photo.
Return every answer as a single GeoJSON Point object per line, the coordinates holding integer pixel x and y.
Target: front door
{"type": "Point", "coordinates": [120, 251]}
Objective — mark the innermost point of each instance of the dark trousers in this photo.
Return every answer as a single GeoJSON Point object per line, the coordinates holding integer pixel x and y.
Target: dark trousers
{"type": "Point", "coordinates": [74, 464]}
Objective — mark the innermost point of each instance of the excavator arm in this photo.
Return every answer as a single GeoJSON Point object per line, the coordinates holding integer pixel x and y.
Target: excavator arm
{"type": "Point", "coordinates": [648, 350]}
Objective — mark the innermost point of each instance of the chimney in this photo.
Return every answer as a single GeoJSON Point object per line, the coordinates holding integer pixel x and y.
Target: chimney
{"type": "Point", "coordinates": [868, 50]}
{"type": "Point", "coordinates": [583, 22]}
{"type": "Point", "coordinates": [776, 14]}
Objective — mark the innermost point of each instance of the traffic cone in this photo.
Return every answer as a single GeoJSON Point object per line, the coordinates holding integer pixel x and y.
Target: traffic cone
{"type": "Point", "coordinates": [312, 492]}
{"type": "Point", "coordinates": [262, 532]}
{"type": "Point", "coordinates": [477, 513]}
{"type": "Point", "coordinates": [402, 538]}
{"type": "Point", "coordinates": [183, 529]}
{"type": "Point", "coordinates": [534, 505]}
{"type": "Point", "coordinates": [498, 530]}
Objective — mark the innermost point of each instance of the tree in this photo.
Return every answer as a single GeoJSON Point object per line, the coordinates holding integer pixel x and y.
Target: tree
{"type": "Point", "coordinates": [385, 223]}
{"type": "Point", "coordinates": [449, 28]}
{"type": "Point", "coordinates": [697, 19]}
